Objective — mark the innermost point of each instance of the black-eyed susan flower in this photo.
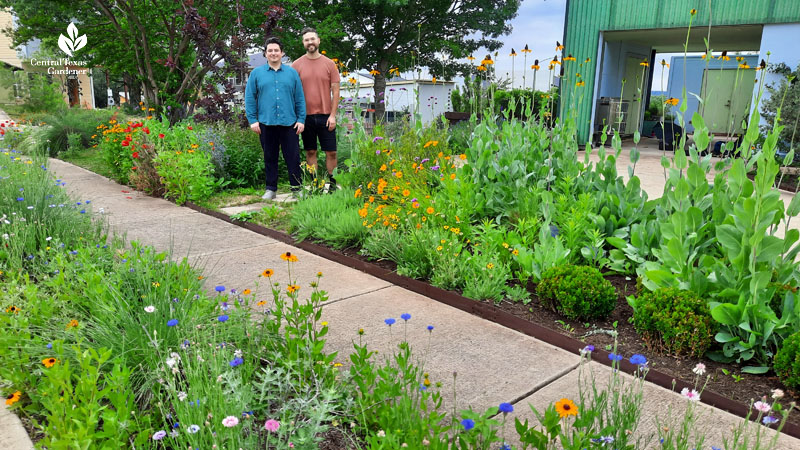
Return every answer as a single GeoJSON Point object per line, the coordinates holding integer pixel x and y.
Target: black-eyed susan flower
{"type": "Point", "coordinates": [487, 61]}
{"type": "Point", "coordinates": [559, 46]}
{"type": "Point", "coordinates": [268, 273]}
{"type": "Point", "coordinates": [481, 68]}
{"type": "Point", "coordinates": [566, 407]}
{"type": "Point", "coordinates": [12, 309]}
{"type": "Point", "coordinates": [671, 101]}
{"type": "Point", "coordinates": [246, 292]}
{"type": "Point", "coordinates": [13, 398]}
{"type": "Point", "coordinates": [693, 12]}
{"type": "Point", "coordinates": [49, 362]}
{"type": "Point", "coordinates": [526, 49]}
{"type": "Point", "coordinates": [569, 57]}
{"type": "Point", "coordinates": [490, 266]}
{"type": "Point", "coordinates": [580, 83]}
{"type": "Point", "coordinates": [535, 65]}
{"type": "Point", "coordinates": [288, 256]}
{"type": "Point", "coordinates": [261, 303]}
{"type": "Point", "coordinates": [292, 288]}
{"type": "Point", "coordinates": [374, 72]}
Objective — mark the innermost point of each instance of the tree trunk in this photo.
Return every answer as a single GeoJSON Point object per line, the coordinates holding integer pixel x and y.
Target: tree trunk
{"type": "Point", "coordinates": [379, 87]}
{"type": "Point", "coordinates": [134, 89]}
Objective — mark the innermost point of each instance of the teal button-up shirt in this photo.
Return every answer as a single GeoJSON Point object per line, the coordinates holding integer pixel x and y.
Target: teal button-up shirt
{"type": "Point", "coordinates": [274, 97]}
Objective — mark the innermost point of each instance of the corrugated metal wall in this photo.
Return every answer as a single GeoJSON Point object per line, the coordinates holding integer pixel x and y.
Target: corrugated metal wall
{"type": "Point", "coordinates": [587, 18]}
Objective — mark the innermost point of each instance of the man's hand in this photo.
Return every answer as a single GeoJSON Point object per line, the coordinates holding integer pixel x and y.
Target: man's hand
{"type": "Point", "coordinates": [299, 127]}
{"type": "Point", "coordinates": [256, 127]}
{"type": "Point", "coordinates": [331, 124]}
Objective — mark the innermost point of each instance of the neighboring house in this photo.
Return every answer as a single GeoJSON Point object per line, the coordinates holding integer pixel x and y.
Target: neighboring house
{"type": "Point", "coordinates": [77, 83]}
{"type": "Point", "coordinates": [616, 36]}
{"type": "Point", "coordinates": [403, 98]}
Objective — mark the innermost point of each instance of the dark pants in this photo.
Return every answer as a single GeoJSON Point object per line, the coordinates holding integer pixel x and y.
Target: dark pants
{"type": "Point", "coordinates": [275, 136]}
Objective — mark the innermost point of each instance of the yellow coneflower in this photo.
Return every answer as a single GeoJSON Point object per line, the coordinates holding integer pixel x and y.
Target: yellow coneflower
{"type": "Point", "coordinates": [535, 65]}
{"type": "Point", "coordinates": [693, 12]}
{"type": "Point", "coordinates": [762, 66]}
{"type": "Point", "coordinates": [664, 63]}
{"type": "Point", "coordinates": [740, 58]}
{"type": "Point", "coordinates": [555, 61]}
{"type": "Point", "coordinates": [374, 72]}
{"type": "Point", "coordinates": [644, 63]}
{"type": "Point", "coordinates": [569, 57]}
{"type": "Point", "coordinates": [587, 60]}
{"type": "Point", "coordinates": [724, 56]}
{"type": "Point", "coordinates": [288, 256]}
{"type": "Point", "coordinates": [559, 46]}
{"type": "Point", "coordinates": [434, 80]}
{"type": "Point", "coordinates": [481, 68]}
{"type": "Point", "coordinates": [352, 80]}
{"type": "Point", "coordinates": [526, 49]}
{"type": "Point", "coordinates": [671, 101]}
{"type": "Point", "coordinates": [471, 58]}
{"type": "Point", "coordinates": [13, 398]}
{"type": "Point", "coordinates": [744, 66]}
{"type": "Point", "coordinates": [487, 61]}
{"type": "Point", "coordinates": [704, 56]}
{"type": "Point", "coordinates": [580, 83]}
{"type": "Point", "coordinates": [394, 71]}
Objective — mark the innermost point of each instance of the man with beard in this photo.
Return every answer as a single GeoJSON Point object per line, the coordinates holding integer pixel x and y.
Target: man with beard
{"type": "Point", "coordinates": [320, 78]}
{"type": "Point", "coordinates": [275, 108]}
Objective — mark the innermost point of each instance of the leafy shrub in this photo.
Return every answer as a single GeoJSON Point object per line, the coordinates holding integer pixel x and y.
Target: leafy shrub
{"type": "Point", "coordinates": [675, 321]}
{"type": "Point", "coordinates": [577, 292]}
{"type": "Point", "coordinates": [787, 362]}
{"type": "Point", "coordinates": [186, 176]}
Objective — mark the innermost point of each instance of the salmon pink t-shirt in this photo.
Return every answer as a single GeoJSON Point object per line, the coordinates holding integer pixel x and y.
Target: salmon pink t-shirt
{"type": "Point", "coordinates": [317, 76]}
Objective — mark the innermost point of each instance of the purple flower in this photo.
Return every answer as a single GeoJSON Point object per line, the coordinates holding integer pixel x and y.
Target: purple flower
{"type": "Point", "coordinates": [172, 322]}
{"type": "Point", "coordinates": [424, 161]}
{"type": "Point", "coordinates": [506, 408]}
{"type": "Point", "coordinates": [389, 321]}
{"type": "Point", "coordinates": [435, 168]}
{"type": "Point", "coordinates": [588, 349]}
{"type": "Point", "coordinates": [769, 420]}
{"type": "Point", "coordinates": [159, 435]}
{"type": "Point", "coordinates": [223, 318]}
{"type": "Point", "coordinates": [376, 139]}
{"type": "Point", "coordinates": [236, 362]}
{"type": "Point", "coordinates": [553, 231]}
{"type": "Point", "coordinates": [377, 152]}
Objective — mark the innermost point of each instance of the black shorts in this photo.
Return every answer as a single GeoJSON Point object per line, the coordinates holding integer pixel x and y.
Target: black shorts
{"type": "Point", "coordinates": [316, 129]}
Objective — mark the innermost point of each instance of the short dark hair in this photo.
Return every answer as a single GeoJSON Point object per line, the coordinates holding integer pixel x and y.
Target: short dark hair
{"type": "Point", "coordinates": [308, 30]}
{"type": "Point", "coordinates": [273, 40]}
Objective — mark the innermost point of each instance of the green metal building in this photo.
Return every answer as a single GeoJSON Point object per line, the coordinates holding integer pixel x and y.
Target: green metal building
{"type": "Point", "coordinates": [610, 40]}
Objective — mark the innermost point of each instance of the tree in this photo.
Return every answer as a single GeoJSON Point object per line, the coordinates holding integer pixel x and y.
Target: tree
{"type": "Point", "coordinates": [384, 35]}
{"type": "Point", "coordinates": [785, 96]}
{"type": "Point", "coordinates": [166, 46]}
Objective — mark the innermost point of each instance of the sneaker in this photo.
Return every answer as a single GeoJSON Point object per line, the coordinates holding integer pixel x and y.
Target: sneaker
{"type": "Point", "coordinates": [268, 195]}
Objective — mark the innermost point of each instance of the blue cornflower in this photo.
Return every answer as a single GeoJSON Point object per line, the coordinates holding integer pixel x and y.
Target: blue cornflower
{"type": "Point", "coordinates": [638, 359]}
{"type": "Point", "coordinates": [614, 357]}
{"type": "Point", "coordinates": [430, 327]}
{"type": "Point", "coordinates": [50, 345]}
{"type": "Point", "coordinates": [236, 362]}
{"type": "Point", "coordinates": [224, 306]}
{"type": "Point", "coordinates": [176, 425]}
{"type": "Point", "coordinates": [468, 424]}
{"type": "Point", "coordinates": [83, 211]}
{"type": "Point", "coordinates": [588, 349]}
{"type": "Point", "coordinates": [769, 420]}
{"type": "Point", "coordinates": [220, 288]}
{"type": "Point", "coordinates": [422, 387]}
{"type": "Point", "coordinates": [88, 201]}
{"type": "Point", "coordinates": [506, 408]}
{"type": "Point", "coordinates": [22, 189]}
{"type": "Point", "coordinates": [73, 252]}
{"type": "Point", "coordinates": [604, 440]}
{"type": "Point", "coordinates": [554, 231]}
{"type": "Point", "coordinates": [20, 199]}
{"type": "Point", "coordinates": [78, 203]}
{"type": "Point", "coordinates": [389, 321]}
{"type": "Point", "coordinates": [405, 316]}
{"type": "Point", "coordinates": [172, 322]}
{"type": "Point", "coordinates": [505, 447]}
{"type": "Point", "coordinates": [185, 345]}
{"type": "Point", "coordinates": [223, 318]}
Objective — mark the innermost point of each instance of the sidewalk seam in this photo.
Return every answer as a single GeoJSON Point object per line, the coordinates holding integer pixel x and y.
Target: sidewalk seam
{"type": "Point", "coordinates": [355, 295]}
{"type": "Point", "coordinates": [546, 383]}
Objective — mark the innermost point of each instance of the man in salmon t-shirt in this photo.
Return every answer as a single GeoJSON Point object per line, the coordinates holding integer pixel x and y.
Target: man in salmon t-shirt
{"type": "Point", "coordinates": [320, 79]}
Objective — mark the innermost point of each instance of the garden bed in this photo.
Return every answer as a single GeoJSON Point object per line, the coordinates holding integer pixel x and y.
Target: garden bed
{"type": "Point", "coordinates": [724, 391]}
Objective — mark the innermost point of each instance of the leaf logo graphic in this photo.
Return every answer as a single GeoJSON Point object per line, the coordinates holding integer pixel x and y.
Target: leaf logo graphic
{"type": "Point", "coordinates": [73, 43]}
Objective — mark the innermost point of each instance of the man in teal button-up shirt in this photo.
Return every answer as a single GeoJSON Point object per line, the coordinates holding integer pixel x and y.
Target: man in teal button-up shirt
{"type": "Point", "coordinates": [276, 109]}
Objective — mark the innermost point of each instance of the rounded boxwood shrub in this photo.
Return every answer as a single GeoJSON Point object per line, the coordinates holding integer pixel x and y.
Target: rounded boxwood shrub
{"type": "Point", "coordinates": [674, 321]}
{"type": "Point", "coordinates": [787, 362]}
{"type": "Point", "coordinates": [577, 292]}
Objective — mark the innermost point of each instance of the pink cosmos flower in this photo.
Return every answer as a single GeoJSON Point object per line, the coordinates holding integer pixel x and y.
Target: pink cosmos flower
{"type": "Point", "coordinates": [692, 395]}
{"type": "Point", "coordinates": [763, 407]}
{"type": "Point", "coordinates": [272, 425]}
{"type": "Point", "coordinates": [230, 421]}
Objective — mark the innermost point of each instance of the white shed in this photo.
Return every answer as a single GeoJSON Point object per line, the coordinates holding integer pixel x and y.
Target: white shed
{"type": "Point", "coordinates": [403, 97]}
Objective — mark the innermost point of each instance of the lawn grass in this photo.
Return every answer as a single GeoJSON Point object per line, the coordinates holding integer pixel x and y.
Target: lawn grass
{"type": "Point", "coordinates": [90, 159]}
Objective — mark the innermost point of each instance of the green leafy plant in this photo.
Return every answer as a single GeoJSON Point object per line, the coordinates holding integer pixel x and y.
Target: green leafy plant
{"type": "Point", "coordinates": [787, 362]}
{"type": "Point", "coordinates": [186, 176]}
{"type": "Point", "coordinates": [577, 292]}
{"type": "Point", "coordinates": [673, 321]}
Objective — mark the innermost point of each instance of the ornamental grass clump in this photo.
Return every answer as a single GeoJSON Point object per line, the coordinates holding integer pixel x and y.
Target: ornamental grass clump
{"type": "Point", "coordinates": [787, 362]}
{"type": "Point", "coordinates": [674, 321]}
{"type": "Point", "coordinates": [577, 292]}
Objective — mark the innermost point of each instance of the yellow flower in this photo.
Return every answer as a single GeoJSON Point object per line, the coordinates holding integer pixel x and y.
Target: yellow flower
{"type": "Point", "coordinates": [559, 46]}
{"type": "Point", "coordinates": [513, 53]}
{"type": "Point", "coordinates": [292, 288]}
{"type": "Point", "coordinates": [399, 174]}
{"type": "Point", "coordinates": [487, 61]}
{"type": "Point", "coordinates": [744, 66]}
{"type": "Point", "coordinates": [156, 284]}
{"type": "Point", "coordinates": [406, 192]}
{"type": "Point", "coordinates": [13, 398]}
{"type": "Point", "coordinates": [644, 63]}
{"type": "Point", "coordinates": [360, 331]}
{"type": "Point", "coordinates": [429, 210]}
{"type": "Point", "coordinates": [246, 292]}
{"type": "Point", "coordinates": [463, 156]}
{"type": "Point", "coordinates": [352, 80]}
{"type": "Point", "coordinates": [268, 273]}
{"type": "Point", "coordinates": [481, 68]}
{"type": "Point", "coordinates": [72, 323]}
{"type": "Point", "coordinates": [565, 407]}
{"type": "Point", "coordinates": [505, 244]}
{"type": "Point", "coordinates": [324, 324]}
{"type": "Point", "coordinates": [580, 83]}
{"type": "Point", "coordinates": [664, 63]}
{"type": "Point", "coordinates": [288, 256]}
{"type": "Point", "coordinates": [490, 266]}
{"type": "Point", "coordinates": [693, 11]}
{"type": "Point", "coordinates": [394, 71]}
{"type": "Point", "coordinates": [374, 72]}
{"type": "Point", "coordinates": [358, 193]}
{"type": "Point", "coordinates": [12, 309]}
{"type": "Point", "coordinates": [434, 80]}
{"type": "Point", "coordinates": [383, 167]}
{"type": "Point", "coordinates": [515, 252]}
{"type": "Point", "coordinates": [471, 58]}
{"type": "Point", "coordinates": [439, 248]}
{"type": "Point", "coordinates": [49, 362]}
{"type": "Point", "coordinates": [569, 58]}
{"type": "Point", "coordinates": [526, 49]}
{"type": "Point", "coordinates": [672, 101]}
{"type": "Point", "coordinates": [261, 303]}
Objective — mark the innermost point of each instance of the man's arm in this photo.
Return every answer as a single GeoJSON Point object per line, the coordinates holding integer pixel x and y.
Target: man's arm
{"type": "Point", "coordinates": [299, 104]}
{"type": "Point", "coordinates": [334, 106]}
{"type": "Point", "coordinates": [251, 103]}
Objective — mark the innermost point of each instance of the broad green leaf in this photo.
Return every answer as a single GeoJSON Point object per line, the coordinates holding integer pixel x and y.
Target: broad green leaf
{"type": "Point", "coordinates": [727, 314]}
{"type": "Point", "coordinates": [755, 369]}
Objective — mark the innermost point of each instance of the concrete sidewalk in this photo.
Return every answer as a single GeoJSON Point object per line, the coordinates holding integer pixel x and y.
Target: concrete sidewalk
{"type": "Point", "coordinates": [493, 364]}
